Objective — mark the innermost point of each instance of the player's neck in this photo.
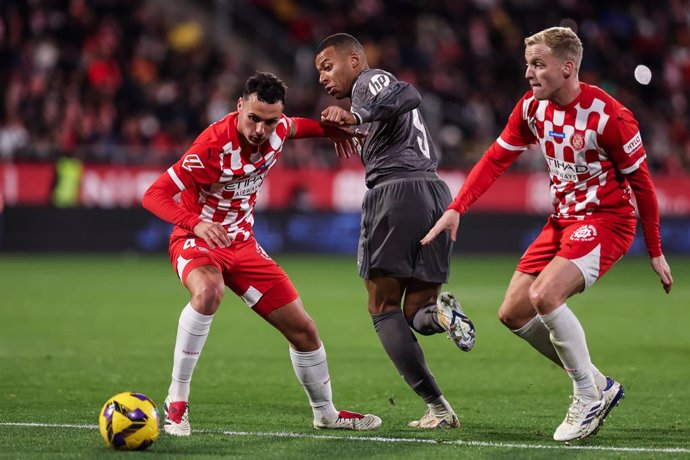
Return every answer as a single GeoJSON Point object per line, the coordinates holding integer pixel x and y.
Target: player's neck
{"type": "Point", "coordinates": [567, 94]}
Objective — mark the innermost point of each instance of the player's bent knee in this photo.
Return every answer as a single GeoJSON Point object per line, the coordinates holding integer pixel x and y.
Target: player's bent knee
{"type": "Point", "coordinates": [543, 300]}
{"type": "Point", "coordinates": [511, 319]}
{"type": "Point", "coordinates": [207, 297]}
{"type": "Point", "coordinates": [375, 309]}
{"type": "Point", "coordinates": [305, 337]}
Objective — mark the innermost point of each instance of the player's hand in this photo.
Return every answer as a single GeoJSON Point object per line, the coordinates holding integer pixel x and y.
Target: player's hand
{"type": "Point", "coordinates": [450, 220]}
{"type": "Point", "coordinates": [345, 140]}
{"type": "Point", "coordinates": [662, 269]}
{"type": "Point", "coordinates": [213, 233]}
{"type": "Point", "coordinates": [337, 116]}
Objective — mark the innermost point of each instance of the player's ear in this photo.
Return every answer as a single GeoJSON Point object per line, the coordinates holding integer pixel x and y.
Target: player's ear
{"type": "Point", "coordinates": [239, 103]}
{"type": "Point", "coordinates": [568, 69]}
{"type": "Point", "coordinates": [354, 60]}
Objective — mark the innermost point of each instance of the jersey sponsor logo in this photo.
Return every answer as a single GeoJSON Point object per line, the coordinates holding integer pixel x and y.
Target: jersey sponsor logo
{"type": "Point", "coordinates": [577, 140]}
{"type": "Point", "coordinates": [378, 82]}
{"type": "Point", "coordinates": [557, 135]}
{"type": "Point", "coordinates": [633, 144]}
{"type": "Point", "coordinates": [585, 233]}
{"type": "Point", "coordinates": [192, 161]}
{"type": "Point", "coordinates": [247, 186]}
{"type": "Point", "coordinates": [565, 170]}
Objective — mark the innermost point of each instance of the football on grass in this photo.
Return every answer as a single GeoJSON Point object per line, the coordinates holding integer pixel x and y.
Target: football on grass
{"type": "Point", "coordinates": [129, 421]}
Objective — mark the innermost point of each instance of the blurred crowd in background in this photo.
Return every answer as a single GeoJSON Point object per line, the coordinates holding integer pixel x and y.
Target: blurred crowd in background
{"type": "Point", "coordinates": [134, 82]}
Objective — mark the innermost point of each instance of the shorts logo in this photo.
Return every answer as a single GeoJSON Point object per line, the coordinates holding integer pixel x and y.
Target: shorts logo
{"type": "Point", "coordinates": [577, 140]}
{"type": "Point", "coordinates": [584, 233]}
{"type": "Point", "coordinates": [192, 161]}
{"type": "Point", "coordinates": [261, 252]}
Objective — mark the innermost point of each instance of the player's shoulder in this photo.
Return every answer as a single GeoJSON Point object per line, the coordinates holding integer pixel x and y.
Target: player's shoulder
{"type": "Point", "coordinates": [218, 133]}
{"type": "Point", "coordinates": [527, 104]}
{"type": "Point", "coordinates": [593, 93]}
{"type": "Point", "coordinates": [205, 152]}
{"type": "Point", "coordinates": [284, 129]}
{"type": "Point", "coordinates": [371, 81]}
{"type": "Point", "coordinates": [370, 73]}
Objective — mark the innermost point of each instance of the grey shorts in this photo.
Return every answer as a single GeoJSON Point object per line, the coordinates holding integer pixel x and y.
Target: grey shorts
{"type": "Point", "coordinates": [396, 214]}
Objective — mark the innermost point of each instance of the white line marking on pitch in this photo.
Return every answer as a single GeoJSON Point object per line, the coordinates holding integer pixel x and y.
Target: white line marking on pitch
{"type": "Point", "coordinates": [458, 442]}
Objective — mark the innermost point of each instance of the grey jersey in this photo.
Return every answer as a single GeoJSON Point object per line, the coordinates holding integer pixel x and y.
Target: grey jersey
{"type": "Point", "coordinates": [398, 139]}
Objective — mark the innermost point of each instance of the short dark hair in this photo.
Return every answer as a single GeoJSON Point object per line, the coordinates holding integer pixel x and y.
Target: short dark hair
{"type": "Point", "coordinates": [267, 87]}
{"type": "Point", "coordinates": [340, 41]}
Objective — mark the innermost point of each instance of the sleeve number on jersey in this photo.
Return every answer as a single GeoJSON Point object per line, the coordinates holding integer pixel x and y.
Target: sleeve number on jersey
{"type": "Point", "coordinates": [421, 140]}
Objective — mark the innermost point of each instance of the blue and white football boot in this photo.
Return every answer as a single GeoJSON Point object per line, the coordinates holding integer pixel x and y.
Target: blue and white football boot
{"type": "Point", "coordinates": [452, 318]}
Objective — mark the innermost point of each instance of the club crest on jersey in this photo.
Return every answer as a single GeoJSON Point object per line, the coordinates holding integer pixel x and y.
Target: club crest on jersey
{"type": "Point", "coordinates": [577, 140]}
{"type": "Point", "coordinates": [584, 233]}
{"type": "Point", "coordinates": [192, 161]}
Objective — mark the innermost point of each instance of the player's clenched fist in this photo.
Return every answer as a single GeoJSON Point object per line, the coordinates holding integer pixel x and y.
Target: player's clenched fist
{"type": "Point", "coordinates": [213, 233]}
{"type": "Point", "coordinates": [334, 115]}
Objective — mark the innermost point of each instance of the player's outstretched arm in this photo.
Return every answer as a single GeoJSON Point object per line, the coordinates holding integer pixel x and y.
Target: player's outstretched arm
{"type": "Point", "coordinates": [662, 269]}
{"type": "Point", "coordinates": [337, 116]}
{"type": "Point", "coordinates": [344, 139]}
{"type": "Point", "coordinates": [450, 220]}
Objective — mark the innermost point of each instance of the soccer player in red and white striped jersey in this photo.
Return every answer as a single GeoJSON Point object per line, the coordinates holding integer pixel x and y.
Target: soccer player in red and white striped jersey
{"type": "Point", "coordinates": [596, 160]}
{"type": "Point", "coordinates": [213, 245]}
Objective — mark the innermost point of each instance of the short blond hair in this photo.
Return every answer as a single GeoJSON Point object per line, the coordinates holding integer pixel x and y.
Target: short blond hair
{"type": "Point", "coordinates": [562, 42]}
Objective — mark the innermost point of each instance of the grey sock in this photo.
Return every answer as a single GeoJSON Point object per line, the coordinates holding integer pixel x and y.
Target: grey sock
{"type": "Point", "coordinates": [406, 354]}
{"type": "Point", "coordinates": [424, 321]}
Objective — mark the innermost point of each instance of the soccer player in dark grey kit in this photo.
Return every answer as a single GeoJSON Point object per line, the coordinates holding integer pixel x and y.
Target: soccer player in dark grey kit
{"type": "Point", "coordinates": [404, 199]}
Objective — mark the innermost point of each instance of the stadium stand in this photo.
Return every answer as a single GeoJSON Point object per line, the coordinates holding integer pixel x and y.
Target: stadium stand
{"type": "Point", "coordinates": [131, 82]}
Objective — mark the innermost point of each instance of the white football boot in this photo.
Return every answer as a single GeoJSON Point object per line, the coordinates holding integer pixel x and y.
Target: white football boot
{"type": "Point", "coordinates": [349, 421]}
{"type": "Point", "coordinates": [613, 393]}
{"type": "Point", "coordinates": [581, 420]}
{"type": "Point", "coordinates": [429, 420]}
{"type": "Point", "coordinates": [450, 315]}
{"type": "Point", "coordinates": [176, 418]}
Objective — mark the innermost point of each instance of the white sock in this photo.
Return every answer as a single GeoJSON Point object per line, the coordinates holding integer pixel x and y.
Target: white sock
{"type": "Point", "coordinates": [192, 331]}
{"type": "Point", "coordinates": [311, 369]}
{"type": "Point", "coordinates": [536, 334]}
{"type": "Point", "coordinates": [568, 339]}
{"type": "Point", "coordinates": [599, 378]}
{"type": "Point", "coordinates": [440, 407]}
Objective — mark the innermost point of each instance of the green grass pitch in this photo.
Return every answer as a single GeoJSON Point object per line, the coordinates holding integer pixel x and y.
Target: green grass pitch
{"type": "Point", "coordinates": [75, 330]}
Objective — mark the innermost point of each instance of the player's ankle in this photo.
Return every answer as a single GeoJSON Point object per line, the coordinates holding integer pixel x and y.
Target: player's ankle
{"type": "Point", "coordinates": [327, 412]}
{"type": "Point", "coordinates": [440, 407]}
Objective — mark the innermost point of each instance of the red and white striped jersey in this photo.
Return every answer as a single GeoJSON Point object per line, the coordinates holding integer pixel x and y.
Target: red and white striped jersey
{"type": "Point", "coordinates": [220, 175]}
{"type": "Point", "coordinates": [588, 146]}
